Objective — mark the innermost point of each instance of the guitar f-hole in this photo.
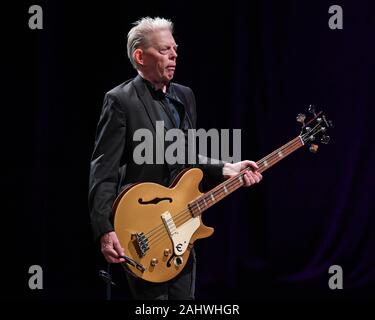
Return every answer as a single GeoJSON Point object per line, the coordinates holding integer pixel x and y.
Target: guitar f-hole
{"type": "Point", "coordinates": [155, 200]}
{"type": "Point", "coordinates": [170, 259]}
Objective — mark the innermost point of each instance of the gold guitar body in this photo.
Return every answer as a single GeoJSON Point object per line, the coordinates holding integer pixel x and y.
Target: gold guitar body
{"type": "Point", "coordinates": [154, 225]}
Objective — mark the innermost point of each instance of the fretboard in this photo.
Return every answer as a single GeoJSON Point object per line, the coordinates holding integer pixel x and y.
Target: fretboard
{"type": "Point", "coordinates": [224, 189]}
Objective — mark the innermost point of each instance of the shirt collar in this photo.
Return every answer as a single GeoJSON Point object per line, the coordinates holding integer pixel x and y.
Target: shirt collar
{"type": "Point", "coordinates": [157, 94]}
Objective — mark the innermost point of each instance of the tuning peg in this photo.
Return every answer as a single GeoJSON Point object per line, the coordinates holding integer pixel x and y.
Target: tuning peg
{"type": "Point", "coordinates": [325, 139]}
{"type": "Point", "coordinates": [313, 148]}
{"type": "Point", "coordinates": [331, 124]}
{"type": "Point", "coordinates": [301, 118]}
{"type": "Point", "coordinates": [312, 109]}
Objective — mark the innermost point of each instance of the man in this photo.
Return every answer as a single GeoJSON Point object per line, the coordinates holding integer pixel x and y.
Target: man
{"type": "Point", "coordinates": [135, 104]}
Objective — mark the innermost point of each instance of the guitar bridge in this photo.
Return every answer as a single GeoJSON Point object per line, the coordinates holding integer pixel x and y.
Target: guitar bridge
{"type": "Point", "coordinates": [141, 243]}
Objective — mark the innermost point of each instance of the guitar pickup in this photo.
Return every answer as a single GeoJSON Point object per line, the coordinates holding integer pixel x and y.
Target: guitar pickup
{"type": "Point", "coordinates": [169, 223]}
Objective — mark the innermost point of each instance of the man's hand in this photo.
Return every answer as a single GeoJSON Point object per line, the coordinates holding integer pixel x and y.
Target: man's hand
{"type": "Point", "coordinates": [111, 248]}
{"type": "Point", "coordinates": [250, 177]}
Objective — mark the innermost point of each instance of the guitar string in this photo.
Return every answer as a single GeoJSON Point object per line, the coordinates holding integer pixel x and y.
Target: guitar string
{"type": "Point", "coordinates": [181, 220]}
{"type": "Point", "coordinates": [231, 185]}
{"type": "Point", "coordinates": [180, 217]}
{"type": "Point", "coordinates": [294, 141]}
{"type": "Point", "coordinates": [218, 187]}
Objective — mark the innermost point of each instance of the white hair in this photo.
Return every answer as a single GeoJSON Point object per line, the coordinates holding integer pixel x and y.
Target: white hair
{"type": "Point", "coordinates": [138, 36]}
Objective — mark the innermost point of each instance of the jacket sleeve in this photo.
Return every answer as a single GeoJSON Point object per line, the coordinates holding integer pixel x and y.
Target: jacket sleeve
{"type": "Point", "coordinates": [104, 166]}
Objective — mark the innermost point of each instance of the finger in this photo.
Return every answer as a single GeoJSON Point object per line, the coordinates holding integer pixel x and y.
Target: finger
{"type": "Point", "coordinates": [247, 181]}
{"type": "Point", "coordinates": [250, 177]}
{"type": "Point", "coordinates": [118, 248]}
{"type": "Point", "coordinates": [111, 255]}
{"type": "Point", "coordinates": [108, 257]}
{"type": "Point", "coordinates": [258, 176]}
{"type": "Point", "coordinates": [111, 259]}
{"type": "Point", "coordinates": [245, 164]}
{"type": "Point", "coordinates": [255, 177]}
{"type": "Point", "coordinates": [114, 260]}
{"type": "Point", "coordinates": [252, 164]}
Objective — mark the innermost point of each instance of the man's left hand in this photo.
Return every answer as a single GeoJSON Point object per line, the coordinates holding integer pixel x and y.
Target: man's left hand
{"type": "Point", "coordinates": [250, 177]}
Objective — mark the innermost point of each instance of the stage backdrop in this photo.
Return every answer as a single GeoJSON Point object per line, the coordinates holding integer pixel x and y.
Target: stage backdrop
{"type": "Point", "coordinates": [253, 65]}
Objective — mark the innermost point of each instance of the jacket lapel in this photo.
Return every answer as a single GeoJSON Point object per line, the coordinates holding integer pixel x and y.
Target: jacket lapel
{"type": "Point", "coordinates": [152, 108]}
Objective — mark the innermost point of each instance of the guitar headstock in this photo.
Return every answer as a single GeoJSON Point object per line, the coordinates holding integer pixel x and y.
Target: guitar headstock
{"type": "Point", "coordinates": [315, 129]}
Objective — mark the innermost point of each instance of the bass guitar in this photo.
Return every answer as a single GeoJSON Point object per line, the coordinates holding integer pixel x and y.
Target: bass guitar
{"type": "Point", "coordinates": [157, 226]}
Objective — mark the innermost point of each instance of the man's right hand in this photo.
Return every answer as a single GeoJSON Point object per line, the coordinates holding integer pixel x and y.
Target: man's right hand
{"type": "Point", "coordinates": [111, 248]}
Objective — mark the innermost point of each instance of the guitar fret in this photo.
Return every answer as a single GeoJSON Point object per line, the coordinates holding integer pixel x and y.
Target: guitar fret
{"type": "Point", "coordinates": [217, 194]}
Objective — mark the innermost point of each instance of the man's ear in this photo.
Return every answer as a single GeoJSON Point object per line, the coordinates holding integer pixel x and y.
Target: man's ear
{"type": "Point", "coordinates": [138, 56]}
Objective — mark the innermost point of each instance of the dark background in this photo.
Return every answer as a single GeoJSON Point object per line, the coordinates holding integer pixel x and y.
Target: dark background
{"type": "Point", "coordinates": [253, 65]}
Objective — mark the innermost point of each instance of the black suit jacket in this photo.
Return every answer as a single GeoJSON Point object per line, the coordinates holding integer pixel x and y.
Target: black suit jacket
{"type": "Point", "coordinates": [128, 107]}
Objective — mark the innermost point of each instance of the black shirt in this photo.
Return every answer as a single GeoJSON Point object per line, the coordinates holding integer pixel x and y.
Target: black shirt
{"type": "Point", "coordinates": [174, 109]}
{"type": "Point", "coordinates": [169, 102]}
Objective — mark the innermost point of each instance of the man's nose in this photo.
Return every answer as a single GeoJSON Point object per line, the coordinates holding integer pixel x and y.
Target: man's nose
{"type": "Point", "coordinates": [173, 54]}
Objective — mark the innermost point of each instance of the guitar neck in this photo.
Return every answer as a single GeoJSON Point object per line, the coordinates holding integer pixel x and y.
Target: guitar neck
{"type": "Point", "coordinates": [227, 187]}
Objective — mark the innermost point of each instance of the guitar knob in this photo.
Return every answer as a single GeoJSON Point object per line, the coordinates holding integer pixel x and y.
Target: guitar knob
{"type": "Point", "coordinates": [313, 148]}
{"type": "Point", "coordinates": [167, 252]}
{"type": "Point", "coordinates": [325, 139]}
{"type": "Point", "coordinates": [154, 262]}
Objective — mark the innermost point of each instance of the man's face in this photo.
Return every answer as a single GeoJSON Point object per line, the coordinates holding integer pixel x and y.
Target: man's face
{"type": "Point", "coordinates": [159, 59]}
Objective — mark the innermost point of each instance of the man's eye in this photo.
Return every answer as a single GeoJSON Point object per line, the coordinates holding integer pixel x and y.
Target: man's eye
{"type": "Point", "coordinates": [163, 51]}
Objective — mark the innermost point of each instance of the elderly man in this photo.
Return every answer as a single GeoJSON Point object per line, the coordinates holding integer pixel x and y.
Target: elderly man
{"type": "Point", "coordinates": [139, 103]}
